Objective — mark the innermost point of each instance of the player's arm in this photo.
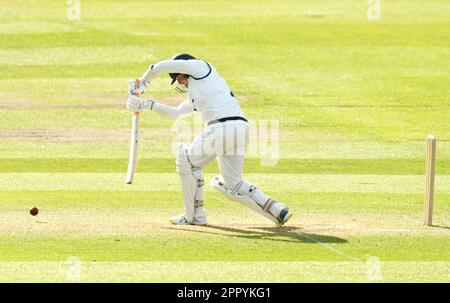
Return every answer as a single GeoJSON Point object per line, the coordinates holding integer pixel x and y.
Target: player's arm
{"type": "Point", "coordinates": [136, 104]}
{"type": "Point", "coordinates": [184, 108]}
{"type": "Point", "coordinates": [195, 68]}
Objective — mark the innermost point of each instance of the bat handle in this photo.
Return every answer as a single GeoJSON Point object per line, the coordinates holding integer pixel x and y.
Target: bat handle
{"type": "Point", "coordinates": [137, 95]}
{"type": "Point", "coordinates": [138, 82]}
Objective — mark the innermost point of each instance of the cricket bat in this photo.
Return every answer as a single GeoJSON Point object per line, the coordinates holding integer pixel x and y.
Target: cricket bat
{"type": "Point", "coordinates": [134, 142]}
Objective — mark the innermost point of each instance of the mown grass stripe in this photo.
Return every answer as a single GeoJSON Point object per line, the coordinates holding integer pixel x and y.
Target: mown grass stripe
{"type": "Point", "coordinates": [158, 147]}
{"type": "Point", "coordinates": [412, 184]}
{"type": "Point", "coordinates": [326, 202]}
{"type": "Point", "coordinates": [217, 271]}
{"type": "Point", "coordinates": [240, 245]}
{"type": "Point", "coordinates": [65, 71]}
{"type": "Point", "coordinates": [252, 165]}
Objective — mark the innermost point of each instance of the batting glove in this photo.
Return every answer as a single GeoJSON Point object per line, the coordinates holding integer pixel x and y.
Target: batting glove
{"type": "Point", "coordinates": [137, 86]}
{"type": "Point", "coordinates": [136, 104]}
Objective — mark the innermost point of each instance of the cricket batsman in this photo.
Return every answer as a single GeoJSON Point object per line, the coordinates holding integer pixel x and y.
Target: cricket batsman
{"type": "Point", "coordinates": [224, 137]}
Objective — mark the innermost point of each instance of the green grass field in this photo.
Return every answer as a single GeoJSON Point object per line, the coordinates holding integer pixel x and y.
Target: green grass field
{"type": "Point", "coordinates": [355, 100]}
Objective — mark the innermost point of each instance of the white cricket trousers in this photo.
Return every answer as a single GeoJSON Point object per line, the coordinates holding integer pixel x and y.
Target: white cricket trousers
{"type": "Point", "coordinates": [225, 141]}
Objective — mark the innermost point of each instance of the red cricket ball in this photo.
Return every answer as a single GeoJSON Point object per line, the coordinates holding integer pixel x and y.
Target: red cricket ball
{"type": "Point", "coordinates": [34, 211]}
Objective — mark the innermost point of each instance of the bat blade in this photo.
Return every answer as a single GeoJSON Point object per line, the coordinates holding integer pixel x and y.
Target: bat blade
{"type": "Point", "coordinates": [134, 143]}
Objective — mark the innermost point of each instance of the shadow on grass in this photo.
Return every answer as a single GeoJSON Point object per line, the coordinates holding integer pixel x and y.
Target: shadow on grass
{"type": "Point", "coordinates": [283, 234]}
{"type": "Point", "coordinates": [441, 226]}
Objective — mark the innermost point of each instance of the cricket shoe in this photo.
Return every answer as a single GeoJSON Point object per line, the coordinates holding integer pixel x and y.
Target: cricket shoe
{"type": "Point", "coordinates": [182, 220]}
{"type": "Point", "coordinates": [285, 215]}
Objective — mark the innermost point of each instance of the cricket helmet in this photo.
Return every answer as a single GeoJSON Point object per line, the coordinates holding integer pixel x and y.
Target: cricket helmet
{"type": "Point", "coordinates": [179, 57]}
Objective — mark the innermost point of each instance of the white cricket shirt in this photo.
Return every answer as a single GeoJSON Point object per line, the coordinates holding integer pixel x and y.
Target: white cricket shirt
{"type": "Point", "coordinates": [208, 92]}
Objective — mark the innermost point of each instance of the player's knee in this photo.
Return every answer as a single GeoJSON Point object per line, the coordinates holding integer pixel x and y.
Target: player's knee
{"type": "Point", "coordinates": [231, 182]}
{"type": "Point", "coordinates": [182, 163]}
{"type": "Point", "coordinates": [234, 185]}
{"type": "Point", "coordinates": [198, 175]}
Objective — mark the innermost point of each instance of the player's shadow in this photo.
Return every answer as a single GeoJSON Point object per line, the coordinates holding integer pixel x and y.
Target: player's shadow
{"type": "Point", "coordinates": [283, 234]}
{"type": "Point", "coordinates": [441, 226]}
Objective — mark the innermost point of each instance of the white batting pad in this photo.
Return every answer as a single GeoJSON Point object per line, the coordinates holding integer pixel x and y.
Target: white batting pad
{"type": "Point", "coordinates": [272, 213]}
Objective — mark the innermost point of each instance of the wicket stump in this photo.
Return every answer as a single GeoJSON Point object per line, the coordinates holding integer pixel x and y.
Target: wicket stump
{"type": "Point", "coordinates": [429, 173]}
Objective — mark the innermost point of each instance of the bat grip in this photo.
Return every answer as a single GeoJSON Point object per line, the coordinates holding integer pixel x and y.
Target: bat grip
{"type": "Point", "coordinates": [138, 82]}
{"type": "Point", "coordinates": [137, 95]}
